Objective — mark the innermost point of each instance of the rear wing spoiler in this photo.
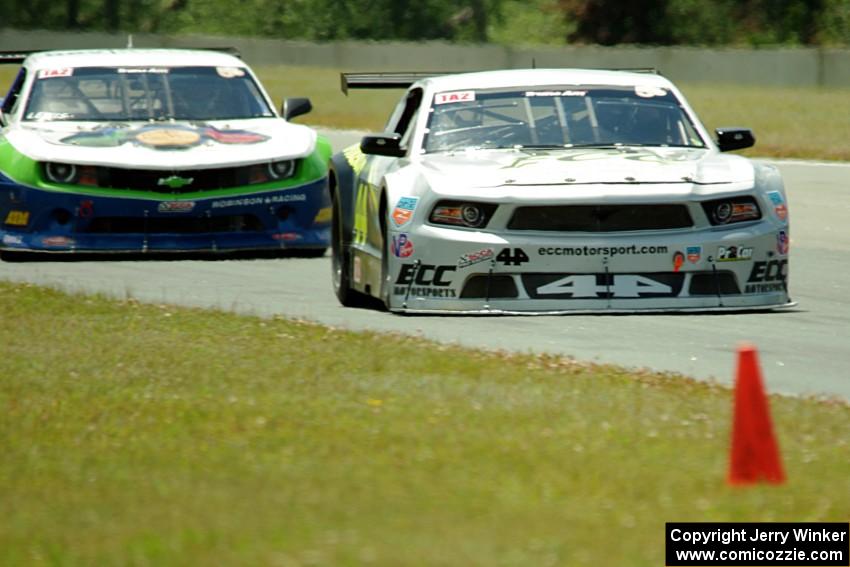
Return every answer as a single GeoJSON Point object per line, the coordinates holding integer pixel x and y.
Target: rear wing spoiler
{"type": "Point", "coordinates": [14, 57]}
{"type": "Point", "coordinates": [383, 80]}
{"type": "Point", "coordinates": [402, 80]}
{"type": "Point", "coordinates": [17, 57]}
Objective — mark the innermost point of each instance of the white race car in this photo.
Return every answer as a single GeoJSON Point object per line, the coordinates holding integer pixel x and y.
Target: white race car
{"type": "Point", "coordinates": [550, 191]}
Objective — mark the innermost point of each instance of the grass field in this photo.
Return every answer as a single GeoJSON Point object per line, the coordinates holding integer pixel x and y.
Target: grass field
{"type": "Point", "coordinates": [788, 122]}
{"type": "Point", "coordinates": [144, 435]}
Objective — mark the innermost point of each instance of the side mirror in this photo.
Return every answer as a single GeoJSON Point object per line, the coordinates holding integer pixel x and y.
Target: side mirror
{"type": "Point", "coordinates": [293, 107]}
{"type": "Point", "coordinates": [382, 145]}
{"type": "Point", "coordinates": [729, 139]}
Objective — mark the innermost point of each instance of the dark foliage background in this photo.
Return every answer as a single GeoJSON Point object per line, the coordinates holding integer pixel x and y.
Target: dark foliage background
{"type": "Point", "coordinates": [606, 22]}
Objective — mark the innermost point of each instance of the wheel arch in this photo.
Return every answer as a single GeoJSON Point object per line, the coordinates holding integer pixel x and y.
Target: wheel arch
{"type": "Point", "coordinates": [342, 183]}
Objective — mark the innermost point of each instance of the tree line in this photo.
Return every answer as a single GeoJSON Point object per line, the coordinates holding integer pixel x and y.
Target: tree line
{"type": "Point", "coordinates": [605, 22]}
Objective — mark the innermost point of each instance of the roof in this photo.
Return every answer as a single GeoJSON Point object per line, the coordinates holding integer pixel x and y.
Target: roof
{"type": "Point", "coordinates": [542, 77]}
{"type": "Point", "coordinates": [131, 58]}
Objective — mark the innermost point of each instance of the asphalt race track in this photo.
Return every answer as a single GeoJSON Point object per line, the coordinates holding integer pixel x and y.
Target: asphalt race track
{"type": "Point", "coordinates": [805, 350]}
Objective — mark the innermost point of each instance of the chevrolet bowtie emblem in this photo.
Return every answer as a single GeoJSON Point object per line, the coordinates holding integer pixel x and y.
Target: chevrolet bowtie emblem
{"type": "Point", "coordinates": [175, 181]}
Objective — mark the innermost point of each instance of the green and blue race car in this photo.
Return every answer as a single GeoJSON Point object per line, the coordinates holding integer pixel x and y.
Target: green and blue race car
{"type": "Point", "coordinates": [155, 150]}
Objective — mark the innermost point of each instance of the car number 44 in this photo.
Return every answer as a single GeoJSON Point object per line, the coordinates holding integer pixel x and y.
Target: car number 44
{"type": "Point", "coordinates": [588, 286]}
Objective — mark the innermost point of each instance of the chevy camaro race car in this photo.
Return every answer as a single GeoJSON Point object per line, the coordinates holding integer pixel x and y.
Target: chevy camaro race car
{"type": "Point", "coordinates": [549, 191]}
{"type": "Point", "coordinates": [154, 150]}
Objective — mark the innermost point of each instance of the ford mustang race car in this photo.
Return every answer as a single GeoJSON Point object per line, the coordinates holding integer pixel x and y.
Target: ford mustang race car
{"type": "Point", "coordinates": [155, 150]}
{"type": "Point", "coordinates": [550, 191]}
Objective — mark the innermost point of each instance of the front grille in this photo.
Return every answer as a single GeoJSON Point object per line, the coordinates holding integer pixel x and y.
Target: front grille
{"type": "Point", "coordinates": [196, 179]}
{"type": "Point", "coordinates": [489, 287]}
{"type": "Point", "coordinates": [721, 282]}
{"type": "Point", "coordinates": [600, 218]}
{"type": "Point", "coordinates": [156, 225]}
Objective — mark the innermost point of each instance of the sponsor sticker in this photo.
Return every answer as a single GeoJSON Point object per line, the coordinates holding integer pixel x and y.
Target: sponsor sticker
{"type": "Point", "coordinates": [142, 70]}
{"type": "Point", "coordinates": [324, 215]}
{"type": "Point", "coordinates": [457, 96]}
{"type": "Point", "coordinates": [287, 236]}
{"type": "Point", "coordinates": [249, 201]}
{"type": "Point", "coordinates": [734, 254]}
{"type": "Point", "coordinates": [650, 92]}
{"type": "Point", "coordinates": [86, 209]}
{"type": "Point", "coordinates": [472, 258]}
{"type": "Point", "coordinates": [783, 243]}
{"type": "Point", "coordinates": [425, 280]}
{"type": "Point", "coordinates": [425, 275]}
{"type": "Point", "coordinates": [230, 72]}
{"type": "Point", "coordinates": [12, 240]}
{"type": "Point", "coordinates": [402, 246]}
{"type": "Point", "coordinates": [49, 116]}
{"type": "Point", "coordinates": [678, 261]}
{"type": "Point", "coordinates": [767, 277]}
{"type": "Point", "coordinates": [779, 207]}
{"type": "Point", "coordinates": [17, 218]}
{"type": "Point", "coordinates": [512, 257]}
{"type": "Point", "coordinates": [358, 270]}
{"type": "Point", "coordinates": [693, 253]}
{"type": "Point", "coordinates": [176, 206]}
{"type": "Point", "coordinates": [51, 73]}
{"type": "Point", "coordinates": [403, 211]}
{"type": "Point", "coordinates": [555, 93]}
{"type": "Point", "coordinates": [57, 241]}
{"type": "Point", "coordinates": [611, 251]}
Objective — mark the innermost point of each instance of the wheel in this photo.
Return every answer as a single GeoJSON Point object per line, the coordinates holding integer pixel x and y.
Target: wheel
{"type": "Point", "coordinates": [341, 263]}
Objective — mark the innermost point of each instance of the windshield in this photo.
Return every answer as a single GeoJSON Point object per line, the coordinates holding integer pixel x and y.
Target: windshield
{"type": "Point", "coordinates": [132, 93]}
{"type": "Point", "coordinates": [560, 116]}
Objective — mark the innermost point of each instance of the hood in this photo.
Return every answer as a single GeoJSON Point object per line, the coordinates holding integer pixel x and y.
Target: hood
{"type": "Point", "coordinates": [164, 145]}
{"type": "Point", "coordinates": [630, 166]}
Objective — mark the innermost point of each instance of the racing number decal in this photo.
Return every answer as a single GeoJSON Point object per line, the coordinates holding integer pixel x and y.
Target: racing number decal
{"type": "Point", "coordinates": [601, 286]}
{"type": "Point", "coordinates": [515, 258]}
{"type": "Point", "coordinates": [587, 286]}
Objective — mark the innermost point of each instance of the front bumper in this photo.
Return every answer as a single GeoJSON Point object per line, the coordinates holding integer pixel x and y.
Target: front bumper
{"type": "Point", "coordinates": [443, 270]}
{"type": "Point", "coordinates": [36, 220]}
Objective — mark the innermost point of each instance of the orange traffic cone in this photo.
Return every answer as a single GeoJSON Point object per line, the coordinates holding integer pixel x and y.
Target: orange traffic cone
{"type": "Point", "coordinates": [755, 455]}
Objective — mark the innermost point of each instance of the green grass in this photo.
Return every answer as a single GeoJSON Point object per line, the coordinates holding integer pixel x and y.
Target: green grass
{"type": "Point", "coordinates": [137, 434]}
{"type": "Point", "coordinates": [806, 123]}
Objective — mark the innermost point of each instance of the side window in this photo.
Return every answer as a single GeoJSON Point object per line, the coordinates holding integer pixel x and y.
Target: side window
{"type": "Point", "coordinates": [408, 133]}
{"type": "Point", "coordinates": [405, 114]}
{"type": "Point", "coordinates": [10, 102]}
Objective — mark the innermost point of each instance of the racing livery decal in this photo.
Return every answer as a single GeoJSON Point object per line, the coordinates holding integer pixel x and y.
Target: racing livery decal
{"type": "Point", "coordinates": [460, 96]}
{"type": "Point", "coordinates": [162, 137]}
{"type": "Point", "coordinates": [602, 286]}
